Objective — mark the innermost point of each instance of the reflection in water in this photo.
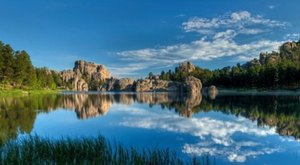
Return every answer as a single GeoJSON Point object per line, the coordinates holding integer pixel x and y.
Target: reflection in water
{"type": "Point", "coordinates": [273, 114]}
{"type": "Point", "coordinates": [214, 136]}
{"type": "Point", "coordinates": [17, 114]}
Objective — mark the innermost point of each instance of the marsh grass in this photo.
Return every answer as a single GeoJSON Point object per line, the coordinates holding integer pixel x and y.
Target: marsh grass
{"type": "Point", "coordinates": [36, 150]}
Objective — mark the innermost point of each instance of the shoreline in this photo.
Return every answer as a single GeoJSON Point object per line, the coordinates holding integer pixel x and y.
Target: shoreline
{"type": "Point", "coordinates": [21, 92]}
{"type": "Point", "coordinates": [221, 91]}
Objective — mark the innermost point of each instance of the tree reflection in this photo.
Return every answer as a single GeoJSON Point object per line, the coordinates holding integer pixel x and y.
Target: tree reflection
{"type": "Point", "coordinates": [17, 114]}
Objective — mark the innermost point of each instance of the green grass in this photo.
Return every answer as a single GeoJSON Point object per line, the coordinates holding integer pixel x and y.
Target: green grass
{"type": "Point", "coordinates": [36, 150]}
{"type": "Point", "coordinates": [21, 92]}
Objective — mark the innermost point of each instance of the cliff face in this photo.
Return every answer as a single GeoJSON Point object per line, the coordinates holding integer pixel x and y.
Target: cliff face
{"type": "Point", "coordinates": [91, 71]}
{"type": "Point", "coordinates": [85, 76]}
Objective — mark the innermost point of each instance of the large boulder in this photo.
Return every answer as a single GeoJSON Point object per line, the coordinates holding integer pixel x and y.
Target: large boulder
{"type": "Point", "coordinates": [193, 85]}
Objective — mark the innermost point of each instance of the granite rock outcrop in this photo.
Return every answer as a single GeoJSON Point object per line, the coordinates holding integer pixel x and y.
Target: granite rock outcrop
{"type": "Point", "coordinates": [85, 75]}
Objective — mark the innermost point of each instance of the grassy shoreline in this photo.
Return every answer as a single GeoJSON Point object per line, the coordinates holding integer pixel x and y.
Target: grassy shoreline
{"type": "Point", "coordinates": [22, 92]}
{"type": "Point", "coordinates": [37, 150]}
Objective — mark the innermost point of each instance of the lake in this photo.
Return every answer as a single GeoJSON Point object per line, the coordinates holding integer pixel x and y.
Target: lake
{"type": "Point", "coordinates": [229, 128]}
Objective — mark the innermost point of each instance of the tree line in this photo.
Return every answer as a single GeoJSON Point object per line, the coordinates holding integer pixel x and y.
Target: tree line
{"type": "Point", "coordinates": [272, 70]}
{"type": "Point", "coordinates": [17, 71]}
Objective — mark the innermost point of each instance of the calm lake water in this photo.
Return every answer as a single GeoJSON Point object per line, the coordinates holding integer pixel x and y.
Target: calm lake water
{"type": "Point", "coordinates": [231, 128]}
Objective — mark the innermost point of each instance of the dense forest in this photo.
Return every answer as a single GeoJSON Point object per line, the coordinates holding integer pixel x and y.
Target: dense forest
{"type": "Point", "coordinates": [272, 70]}
{"type": "Point", "coordinates": [17, 71]}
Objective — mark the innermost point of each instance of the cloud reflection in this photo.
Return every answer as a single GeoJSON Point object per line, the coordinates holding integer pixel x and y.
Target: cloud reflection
{"type": "Point", "coordinates": [215, 136]}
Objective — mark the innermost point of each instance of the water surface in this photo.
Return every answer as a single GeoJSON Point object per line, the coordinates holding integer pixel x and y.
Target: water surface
{"type": "Point", "coordinates": [239, 129]}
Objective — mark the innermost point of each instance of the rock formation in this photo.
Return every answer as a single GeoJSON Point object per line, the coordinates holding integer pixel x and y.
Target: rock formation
{"type": "Point", "coordinates": [187, 67]}
{"type": "Point", "coordinates": [193, 85]}
{"type": "Point", "coordinates": [80, 84]}
{"type": "Point", "coordinates": [84, 74]}
{"type": "Point", "coordinates": [288, 50]}
{"type": "Point", "coordinates": [90, 76]}
{"type": "Point", "coordinates": [288, 47]}
{"type": "Point", "coordinates": [91, 71]}
{"type": "Point", "coordinates": [113, 84]}
{"type": "Point", "coordinates": [156, 85]}
{"type": "Point", "coordinates": [190, 85]}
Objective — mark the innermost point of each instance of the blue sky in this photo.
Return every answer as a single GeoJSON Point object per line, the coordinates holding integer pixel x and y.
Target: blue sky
{"type": "Point", "coordinates": [133, 37]}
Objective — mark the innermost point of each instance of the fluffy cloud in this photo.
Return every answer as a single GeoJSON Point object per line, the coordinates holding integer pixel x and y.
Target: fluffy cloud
{"type": "Point", "coordinates": [222, 45]}
{"type": "Point", "coordinates": [237, 20]}
{"type": "Point", "coordinates": [218, 40]}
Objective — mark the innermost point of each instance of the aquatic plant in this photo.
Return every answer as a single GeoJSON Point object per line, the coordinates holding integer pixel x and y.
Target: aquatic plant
{"type": "Point", "coordinates": [37, 150]}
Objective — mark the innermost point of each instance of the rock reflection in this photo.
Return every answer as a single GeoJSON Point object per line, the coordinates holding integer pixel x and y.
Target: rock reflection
{"type": "Point", "coordinates": [86, 106]}
{"type": "Point", "coordinates": [17, 114]}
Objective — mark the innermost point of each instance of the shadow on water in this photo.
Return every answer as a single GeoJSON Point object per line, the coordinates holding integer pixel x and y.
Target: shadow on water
{"type": "Point", "coordinates": [17, 114]}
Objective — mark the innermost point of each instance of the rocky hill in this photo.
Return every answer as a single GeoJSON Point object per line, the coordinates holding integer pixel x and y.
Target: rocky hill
{"type": "Point", "coordinates": [85, 76]}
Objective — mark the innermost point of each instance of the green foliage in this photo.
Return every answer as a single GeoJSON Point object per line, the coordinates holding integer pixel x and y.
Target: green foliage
{"type": "Point", "coordinates": [150, 75]}
{"type": "Point", "coordinates": [36, 150]}
{"type": "Point", "coordinates": [272, 70]}
{"type": "Point", "coordinates": [17, 71]}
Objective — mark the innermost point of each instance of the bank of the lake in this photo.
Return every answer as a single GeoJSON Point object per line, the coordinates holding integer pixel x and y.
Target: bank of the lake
{"type": "Point", "coordinates": [21, 92]}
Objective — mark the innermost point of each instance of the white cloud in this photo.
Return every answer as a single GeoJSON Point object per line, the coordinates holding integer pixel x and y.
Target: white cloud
{"type": "Point", "coordinates": [218, 40]}
{"type": "Point", "coordinates": [222, 45]}
{"type": "Point", "coordinates": [236, 20]}
{"type": "Point", "coordinates": [292, 36]}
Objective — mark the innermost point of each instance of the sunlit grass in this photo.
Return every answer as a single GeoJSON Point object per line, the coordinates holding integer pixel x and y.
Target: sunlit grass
{"type": "Point", "coordinates": [36, 150]}
{"type": "Point", "coordinates": [21, 92]}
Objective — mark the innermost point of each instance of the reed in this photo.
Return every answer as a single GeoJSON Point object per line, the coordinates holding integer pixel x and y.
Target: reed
{"type": "Point", "coordinates": [37, 150]}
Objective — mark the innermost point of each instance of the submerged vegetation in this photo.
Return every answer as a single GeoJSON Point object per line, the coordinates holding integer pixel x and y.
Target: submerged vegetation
{"type": "Point", "coordinates": [36, 150]}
